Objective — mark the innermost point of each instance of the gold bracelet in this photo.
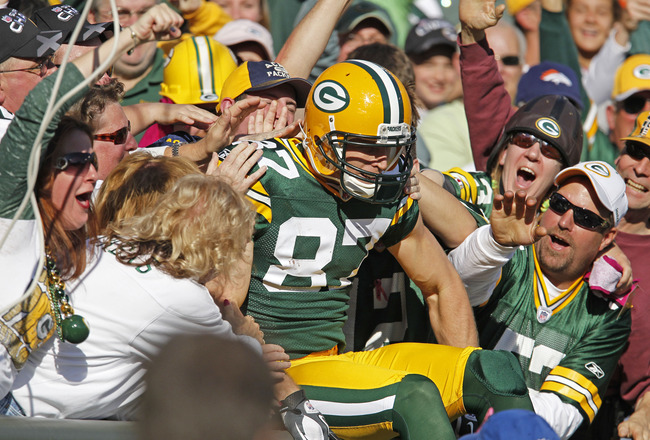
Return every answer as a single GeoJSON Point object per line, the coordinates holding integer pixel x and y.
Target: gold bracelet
{"type": "Point", "coordinates": [135, 39]}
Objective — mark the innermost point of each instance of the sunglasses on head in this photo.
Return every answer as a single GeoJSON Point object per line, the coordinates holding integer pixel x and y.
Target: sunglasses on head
{"type": "Point", "coordinates": [634, 104]}
{"type": "Point", "coordinates": [636, 150]}
{"type": "Point", "coordinates": [581, 216]}
{"type": "Point", "coordinates": [118, 137]}
{"type": "Point", "coordinates": [527, 140]}
{"type": "Point", "coordinates": [508, 60]}
{"type": "Point", "coordinates": [75, 160]}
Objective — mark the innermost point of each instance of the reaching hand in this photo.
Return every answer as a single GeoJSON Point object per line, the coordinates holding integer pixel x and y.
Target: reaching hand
{"type": "Point", "coordinates": [290, 131]}
{"type": "Point", "coordinates": [188, 114]}
{"type": "Point", "coordinates": [158, 23]}
{"type": "Point", "coordinates": [625, 283]}
{"type": "Point", "coordinates": [222, 132]}
{"type": "Point", "coordinates": [637, 426]}
{"type": "Point", "coordinates": [412, 187]}
{"type": "Point", "coordinates": [634, 12]}
{"type": "Point", "coordinates": [276, 359]}
{"type": "Point", "coordinates": [513, 219]}
{"type": "Point", "coordinates": [479, 15]}
{"type": "Point", "coordinates": [236, 166]}
{"type": "Point", "coordinates": [241, 325]}
{"type": "Point", "coordinates": [273, 120]}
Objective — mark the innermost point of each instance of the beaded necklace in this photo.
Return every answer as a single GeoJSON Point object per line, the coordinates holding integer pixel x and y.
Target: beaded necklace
{"type": "Point", "coordinates": [70, 327]}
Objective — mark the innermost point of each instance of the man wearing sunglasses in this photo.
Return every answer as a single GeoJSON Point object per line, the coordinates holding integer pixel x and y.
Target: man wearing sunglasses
{"type": "Point", "coordinates": [526, 280]}
{"type": "Point", "coordinates": [24, 61]}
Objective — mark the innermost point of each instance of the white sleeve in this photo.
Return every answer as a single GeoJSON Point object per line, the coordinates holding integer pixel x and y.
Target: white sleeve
{"type": "Point", "coordinates": [478, 260]}
{"type": "Point", "coordinates": [599, 78]}
{"type": "Point", "coordinates": [7, 372]}
{"type": "Point", "coordinates": [154, 151]}
{"type": "Point", "coordinates": [563, 417]}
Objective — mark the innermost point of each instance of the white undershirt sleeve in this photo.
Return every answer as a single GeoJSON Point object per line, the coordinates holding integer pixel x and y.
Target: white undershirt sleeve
{"type": "Point", "coordinates": [563, 417]}
{"type": "Point", "coordinates": [478, 260]}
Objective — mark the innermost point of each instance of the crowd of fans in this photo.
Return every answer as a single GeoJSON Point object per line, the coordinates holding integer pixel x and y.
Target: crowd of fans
{"type": "Point", "coordinates": [337, 218]}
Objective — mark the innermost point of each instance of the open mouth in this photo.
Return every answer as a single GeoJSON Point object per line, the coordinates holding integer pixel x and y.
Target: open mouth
{"type": "Point", "coordinates": [557, 243]}
{"type": "Point", "coordinates": [525, 176]}
{"type": "Point", "coordinates": [84, 199]}
{"type": "Point", "coordinates": [635, 186]}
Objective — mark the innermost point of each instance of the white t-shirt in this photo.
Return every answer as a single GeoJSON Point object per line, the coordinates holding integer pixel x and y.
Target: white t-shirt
{"type": "Point", "coordinates": [132, 312]}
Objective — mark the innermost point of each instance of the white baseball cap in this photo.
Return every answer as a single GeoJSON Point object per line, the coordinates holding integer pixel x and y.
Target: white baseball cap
{"type": "Point", "coordinates": [243, 30]}
{"type": "Point", "coordinates": [608, 184]}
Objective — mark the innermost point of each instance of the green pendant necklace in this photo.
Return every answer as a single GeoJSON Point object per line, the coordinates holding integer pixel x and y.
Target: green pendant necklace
{"type": "Point", "coordinates": [70, 327]}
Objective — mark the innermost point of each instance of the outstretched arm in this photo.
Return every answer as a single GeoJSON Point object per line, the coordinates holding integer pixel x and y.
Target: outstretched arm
{"type": "Point", "coordinates": [480, 258]}
{"type": "Point", "coordinates": [308, 40]}
{"type": "Point", "coordinates": [147, 113]}
{"type": "Point", "coordinates": [424, 261]}
{"type": "Point", "coordinates": [442, 213]}
{"type": "Point", "coordinates": [482, 83]}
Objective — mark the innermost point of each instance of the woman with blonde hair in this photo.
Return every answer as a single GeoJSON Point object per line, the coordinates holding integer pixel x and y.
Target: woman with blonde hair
{"type": "Point", "coordinates": [164, 229]}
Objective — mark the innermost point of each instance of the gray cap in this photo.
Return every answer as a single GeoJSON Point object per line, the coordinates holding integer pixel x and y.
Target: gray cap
{"type": "Point", "coordinates": [428, 33]}
{"type": "Point", "coordinates": [362, 11]}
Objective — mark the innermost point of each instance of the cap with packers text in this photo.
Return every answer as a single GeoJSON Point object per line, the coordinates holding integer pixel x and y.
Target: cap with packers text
{"type": "Point", "coordinates": [64, 18]}
{"type": "Point", "coordinates": [632, 76]}
{"type": "Point", "coordinates": [256, 76]}
{"type": "Point", "coordinates": [429, 33]}
{"type": "Point", "coordinates": [23, 39]}
{"type": "Point", "coordinates": [608, 184]}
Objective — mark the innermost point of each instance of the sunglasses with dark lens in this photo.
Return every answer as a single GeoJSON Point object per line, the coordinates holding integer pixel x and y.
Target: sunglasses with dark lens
{"type": "Point", "coordinates": [75, 160]}
{"type": "Point", "coordinates": [581, 216]}
{"type": "Point", "coordinates": [527, 140]}
{"type": "Point", "coordinates": [634, 104]}
{"type": "Point", "coordinates": [118, 137]}
{"type": "Point", "coordinates": [508, 60]}
{"type": "Point", "coordinates": [636, 150]}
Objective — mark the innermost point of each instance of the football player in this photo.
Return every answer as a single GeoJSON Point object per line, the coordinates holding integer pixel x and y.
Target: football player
{"type": "Point", "coordinates": [322, 204]}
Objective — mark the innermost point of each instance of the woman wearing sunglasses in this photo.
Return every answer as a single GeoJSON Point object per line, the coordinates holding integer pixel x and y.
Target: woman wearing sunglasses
{"type": "Point", "coordinates": [36, 295]}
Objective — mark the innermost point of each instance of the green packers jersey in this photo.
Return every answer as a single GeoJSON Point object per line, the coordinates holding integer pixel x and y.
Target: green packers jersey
{"type": "Point", "coordinates": [308, 244]}
{"type": "Point", "coordinates": [386, 307]}
{"type": "Point", "coordinates": [472, 187]}
{"type": "Point", "coordinates": [568, 345]}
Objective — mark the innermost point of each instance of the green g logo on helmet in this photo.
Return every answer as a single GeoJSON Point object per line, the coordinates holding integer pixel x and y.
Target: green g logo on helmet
{"type": "Point", "coordinates": [330, 97]}
{"type": "Point", "coordinates": [549, 127]}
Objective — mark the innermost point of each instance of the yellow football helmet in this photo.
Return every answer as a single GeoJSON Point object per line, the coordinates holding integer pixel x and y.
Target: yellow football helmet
{"type": "Point", "coordinates": [195, 71]}
{"type": "Point", "coordinates": [359, 105]}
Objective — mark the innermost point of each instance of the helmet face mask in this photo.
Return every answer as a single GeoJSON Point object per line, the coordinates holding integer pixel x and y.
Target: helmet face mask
{"type": "Point", "coordinates": [373, 187]}
{"type": "Point", "coordinates": [357, 106]}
